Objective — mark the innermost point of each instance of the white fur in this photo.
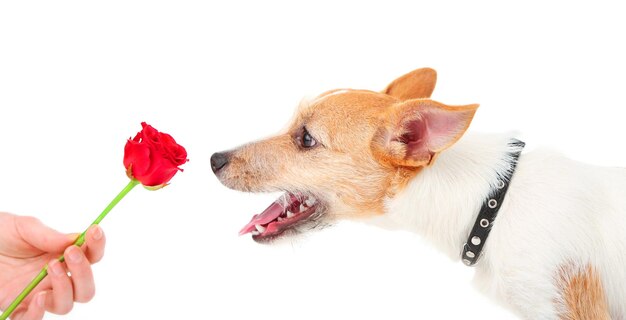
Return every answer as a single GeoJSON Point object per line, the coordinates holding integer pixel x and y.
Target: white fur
{"type": "Point", "coordinates": [556, 212]}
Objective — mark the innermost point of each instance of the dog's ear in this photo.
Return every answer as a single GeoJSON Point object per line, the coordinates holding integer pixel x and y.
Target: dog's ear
{"type": "Point", "coordinates": [416, 84]}
{"type": "Point", "coordinates": [417, 130]}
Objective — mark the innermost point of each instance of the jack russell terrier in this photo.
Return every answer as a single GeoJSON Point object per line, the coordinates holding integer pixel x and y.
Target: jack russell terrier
{"type": "Point", "coordinates": [545, 234]}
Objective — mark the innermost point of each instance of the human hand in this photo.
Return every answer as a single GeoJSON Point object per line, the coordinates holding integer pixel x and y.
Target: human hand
{"type": "Point", "coordinates": [26, 245]}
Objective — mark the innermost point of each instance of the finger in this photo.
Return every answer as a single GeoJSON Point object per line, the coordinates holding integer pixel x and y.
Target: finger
{"type": "Point", "coordinates": [41, 236]}
{"type": "Point", "coordinates": [35, 310]}
{"type": "Point", "coordinates": [61, 300]}
{"type": "Point", "coordinates": [94, 246]}
{"type": "Point", "coordinates": [82, 276]}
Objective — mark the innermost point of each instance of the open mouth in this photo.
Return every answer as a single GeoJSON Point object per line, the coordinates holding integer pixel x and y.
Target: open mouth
{"type": "Point", "coordinates": [287, 212]}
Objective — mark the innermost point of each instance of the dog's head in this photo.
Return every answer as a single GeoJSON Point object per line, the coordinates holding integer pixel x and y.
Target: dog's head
{"type": "Point", "coordinates": [343, 154]}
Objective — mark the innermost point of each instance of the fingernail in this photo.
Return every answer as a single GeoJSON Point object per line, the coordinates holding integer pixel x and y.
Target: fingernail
{"type": "Point", "coordinates": [97, 233]}
{"type": "Point", "coordinates": [41, 299]}
{"type": "Point", "coordinates": [73, 254]}
{"type": "Point", "coordinates": [55, 268]}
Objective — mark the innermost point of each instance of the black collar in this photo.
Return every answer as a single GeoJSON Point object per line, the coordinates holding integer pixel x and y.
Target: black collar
{"type": "Point", "coordinates": [477, 238]}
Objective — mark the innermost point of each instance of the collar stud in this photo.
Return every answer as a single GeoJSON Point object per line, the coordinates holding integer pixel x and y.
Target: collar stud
{"type": "Point", "coordinates": [472, 249]}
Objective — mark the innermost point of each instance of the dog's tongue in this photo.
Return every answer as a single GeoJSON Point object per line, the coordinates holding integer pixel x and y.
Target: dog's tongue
{"type": "Point", "coordinates": [270, 214]}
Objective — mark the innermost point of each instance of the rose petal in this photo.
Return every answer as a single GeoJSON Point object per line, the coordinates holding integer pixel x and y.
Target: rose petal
{"type": "Point", "coordinates": [150, 134]}
{"type": "Point", "coordinates": [161, 171]}
{"type": "Point", "coordinates": [172, 150]}
{"type": "Point", "coordinates": [136, 157]}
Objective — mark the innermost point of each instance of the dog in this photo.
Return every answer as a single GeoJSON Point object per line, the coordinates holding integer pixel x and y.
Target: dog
{"type": "Point", "coordinates": [546, 235]}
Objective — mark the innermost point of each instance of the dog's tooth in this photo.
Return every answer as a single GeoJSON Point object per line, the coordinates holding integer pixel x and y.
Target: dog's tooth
{"type": "Point", "coordinates": [259, 227]}
{"type": "Point", "coordinates": [280, 219]}
{"type": "Point", "coordinates": [290, 214]}
{"type": "Point", "coordinates": [255, 233]}
{"type": "Point", "coordinates": [310, 202]}
{"type": "Point", "coordinates": [302, 208]}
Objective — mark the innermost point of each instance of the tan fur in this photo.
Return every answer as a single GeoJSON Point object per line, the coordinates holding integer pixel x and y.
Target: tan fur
{"type": "Point", "coordinates": [343, 124]}
{"type": "Point", "coordinates": [394, 153]}
{"type": "Point", "coordinates": [354, 167]}
{"type": "Point", "coordinates": [416, 84]}
{"type": "Point", "coordinates": [582, 295]}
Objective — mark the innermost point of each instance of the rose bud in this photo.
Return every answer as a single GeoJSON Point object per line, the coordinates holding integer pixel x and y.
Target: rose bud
{"type": "Point", "coordinates": [153, 157]}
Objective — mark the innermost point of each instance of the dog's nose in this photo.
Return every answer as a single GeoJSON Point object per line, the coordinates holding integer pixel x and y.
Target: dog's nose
{"type": "Point", "coordinates": [218, 161]}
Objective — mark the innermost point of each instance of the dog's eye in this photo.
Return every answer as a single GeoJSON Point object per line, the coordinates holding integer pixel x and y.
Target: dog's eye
{"type": "Point", "coordinates": [307, 140]}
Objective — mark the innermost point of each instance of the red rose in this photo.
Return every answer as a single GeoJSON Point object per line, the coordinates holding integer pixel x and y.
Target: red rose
{"type": "Point", "coordinates": [153, 157]}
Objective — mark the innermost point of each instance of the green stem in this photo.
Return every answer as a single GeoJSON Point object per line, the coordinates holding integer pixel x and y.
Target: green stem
{"type": "Point", "coordinates": [79, 242]}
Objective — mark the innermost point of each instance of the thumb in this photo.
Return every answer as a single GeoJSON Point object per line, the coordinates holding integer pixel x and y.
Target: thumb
{"type": "Point", "coordinates": [41, 236]}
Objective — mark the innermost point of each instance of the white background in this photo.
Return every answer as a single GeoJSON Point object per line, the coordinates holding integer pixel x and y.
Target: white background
{"type": "Point", "coordinates": [77, 78]}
